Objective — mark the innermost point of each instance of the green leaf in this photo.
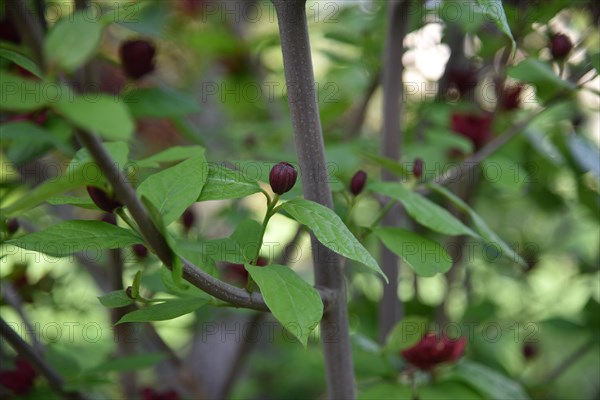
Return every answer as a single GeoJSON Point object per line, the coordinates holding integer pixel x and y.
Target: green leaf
{"type": "Point", "coordinates": [405, 334]}
{"type": "Point", "coordinates": [31, 133]}
{"type": "Point", "coordinates": [494, 10]}
{"type": "Point", "coordinates": [170, 309]}
{"type": "Point", "coordinates": [493, 384]}
{"type": "Point", "coordinates": [295, 304]}
{"type": "Point", "coordinates": [423, 210]}
{"type": "Point", "coordinates": [386, 391]}
{"type": "Point", "coordinates": [484, 230]}
{"type": "Point", "coordinates": [22, 61]}
{"type": "Point", "coordinates": [115, 299]}
{"type": "Point", "coordinates": [159, 103]}
{"type": "Point", "coordinates": [195, 252]}
{"type": "Point", "coordinates": [24, 95]}
{"type": "Point", "coordinates": [73, 236]}
{"type": "Point", "coordinates": [73, 40]}
{"type": "Point", "coordinates": [386, 163]}
{"type": "Point", "coordinates": [595, 59]}
{"type": "Point", "coordinates": [83, 202]}
{"type": "Point", "coordinates": [246, 235]}
{"type": "Point", "coordinates": [100, 113]}
{"type": "Point", "coordinates": [331, 231]}
{"type": "Point", "coordinates": [224, 183]}
{"type": "Point", "coordinates": [225, 249]}
{"type": "Point", "coordinates": [131, 363]}
{"type": "Point", "coordinates": [426, 257]}
{"type": "Point", "coordinates": [185, 290]}
{"type": "Point", "coordinates": [174, 189]}
{"type": "Point", "coordinates": [175, 153]}
{"type": "Point", "coordinates": [540, 74]}
{"type": "Point", "coordinates": [177, 273]}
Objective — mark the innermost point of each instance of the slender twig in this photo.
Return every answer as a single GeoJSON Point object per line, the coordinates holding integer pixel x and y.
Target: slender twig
{"type": "Point", "coordinates": [11, 296]}
{"type": "Point", "coordinates": [569, 361]}
{"type": "Point", "coordinates": [308, 137]}
{"type": "Point", "coordinates": [23, 348]}
{"type": "Point", "coordinates": [358, 112]}
{"type": "Point", "coordinates": [390, 307]}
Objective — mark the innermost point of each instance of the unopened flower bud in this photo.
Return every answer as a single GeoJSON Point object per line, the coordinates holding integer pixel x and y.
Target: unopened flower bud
{"type": "Point", "coordinates": [137, 58]}
{"type": "Point", "coordinates": [357, 184]}
{"type": "Point", "coordinates": [103, 200]}
{"type": "Point", "coordinates": [140, 251]}
{"type": "Point", "coordinates": [188, 219]}
{"type": "Point", "coordinates": [418, 168]}
{"type": "Point", "coordinates": [560, 46]}
{"type": "Point", "coordinates": [282, 177]}
{"type": "Point", "coordinates": [12, 225]}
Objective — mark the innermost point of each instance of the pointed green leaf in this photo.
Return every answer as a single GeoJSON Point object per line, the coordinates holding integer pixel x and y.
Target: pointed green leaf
{"type": "Point", "coordinates": [73, 40]}
{"type": "Point", "coordinates": [295, 304]}
{"type": "Point", "coordinates": [101, 114]}
{"type": "Point", "coordinates": [424, 256]}
{"type": "Point", "coordinates": [73, 236]}
{"type": "Point", "coordinates": [224, 183]}
{"type": "Point", "coordinates": [484, 230]}
{"type": "Point", "coordinates": [23, 95]}
{"type": "Point", "coordinates": [175, 153]}
{"type": "Point", "coordinates": [159, 102]}
{"type": "Point", "coordinates": [164, 311]}
{"type": "Point", "coordinates": [423, 210]}
{"type": "Point", "coordinates": [494, 10]}
{"type": "Point", "coordinates": [331, 231]}
{"type": "Point", "coordinates": [137, 362]}
{"type": "Point", "coordinates": [541, 75]}
{"type": "Point", "coordinates": [493, 384]}
{"type": "Point", "coordinates": [22, 61]}
{"type": "Point", "coordinates": [135, 286]}
{"type": "Point", "coordinates": [174, 189]}
{"type": "Point", "coordinates": [115, 299]}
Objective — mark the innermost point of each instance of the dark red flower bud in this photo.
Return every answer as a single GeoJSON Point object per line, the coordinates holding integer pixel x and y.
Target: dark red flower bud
{"type": "Point", "coordinates": [103, 200]}
{"type": "Point", "coordinates": [188, 219]}
{"type": "Point", "coordinates": [357, 184]}
{"type": "Point", "coordinates": [282, 177]}
{"type": "Point", "coordinates": [140, 251]}
{"type": "Point", "coordinates": [19, 380]}
{"type": "Point", "coordinates": [511, 98]}
{"type": "Point", "coordinates": [530, 350]}
{"type": "Point", "coordinates": [431, 351]}
{"type": "Point", "coordinates": [12, 225]}
{"type": "Point", "coordinates": [137, 58]}
{"type": "Point", "coordinates": [418, 168]}
{"type": "Point", "coordinates": [151, 394]}
{"type": "Point", "coordinates": [475, 127]}
{"type": "Point", "coordinates": [560, 46]}
{"type": "Point", "coordinates": [109, 218]}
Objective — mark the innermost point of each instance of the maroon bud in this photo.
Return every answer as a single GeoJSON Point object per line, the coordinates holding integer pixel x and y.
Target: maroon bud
{"type": "Point", "coordinates": [188, 219]}
{"type": "Point", "coordinates": [103, 200]}
{"type": "Point", "coordinates": [235, 274]}
{"type": "Point", "coordinates": [530, 350]}
{"type": "Point", "coordinates": [357, 184]}
{"type": "Point", "coordinates": [109, 218]}
{"type": "Point", "coordinates": [465, 79]}
{"type": "Point", "coordinates": [129, 292]}
{"type": "Point", "coordinates": [418, 168]}
{"type": "Point", "coordinates": [140, 251]}
{"type": "Point", "coordinates": [261, 262]}
{"type": "Point", "coordinates": [137, 58]}
{"type": "Point", "coordinates": [12, 225]}
{"type": "Point", "coordinates": [511, 98]}
{"type": "Point", "coordinates": [560, 46]}
{"type": "Point", "coordinates": [282, 177]}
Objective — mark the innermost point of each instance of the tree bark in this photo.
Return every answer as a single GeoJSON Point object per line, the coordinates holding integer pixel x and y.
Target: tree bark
{"type": "Point", "coordinates": [308, 136]}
